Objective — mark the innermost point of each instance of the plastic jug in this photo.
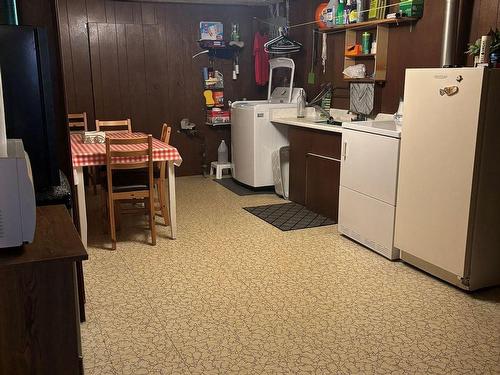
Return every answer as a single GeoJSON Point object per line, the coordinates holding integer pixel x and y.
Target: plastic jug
{"type": "Point", "coordinates": [331, 13]}
{"type": "Point", "coordinates": [222, 153]}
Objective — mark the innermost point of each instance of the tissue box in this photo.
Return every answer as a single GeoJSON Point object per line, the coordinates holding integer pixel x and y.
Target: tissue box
{"type": "Point", "coordinates": [412, 8]}
{"type": "Point", "coordinates": [93, 137]}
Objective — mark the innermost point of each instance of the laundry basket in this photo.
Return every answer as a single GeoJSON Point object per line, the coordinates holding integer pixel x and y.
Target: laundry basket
{"type": "Point", "coordinates": [281, 168]}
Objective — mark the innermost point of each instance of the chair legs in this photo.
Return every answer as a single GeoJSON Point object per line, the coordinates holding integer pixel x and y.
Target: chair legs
{"type": "Point", "coordinates": [152, 225]}
{"type": "Point", "coordinates": [112, 228]}
{"type": "Point", "coordinates": [114, 213]}
{"type": "Point", "coordinates": [162, 200]}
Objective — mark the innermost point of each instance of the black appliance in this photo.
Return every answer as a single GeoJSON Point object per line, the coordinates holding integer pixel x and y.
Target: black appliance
{"type": "Point", "coordinates": [28, 98]}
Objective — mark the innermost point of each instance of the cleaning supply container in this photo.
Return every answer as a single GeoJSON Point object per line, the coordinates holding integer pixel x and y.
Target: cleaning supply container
{"type": "Point", "coordinates": [223, 154]}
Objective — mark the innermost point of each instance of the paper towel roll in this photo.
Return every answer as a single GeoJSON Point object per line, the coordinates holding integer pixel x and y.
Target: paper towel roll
{"type": "Point", "coordinates": [3, 133]}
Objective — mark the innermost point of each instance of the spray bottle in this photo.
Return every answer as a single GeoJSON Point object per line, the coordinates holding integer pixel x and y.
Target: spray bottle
{"type": "Point", "coordinates": [331, 13]}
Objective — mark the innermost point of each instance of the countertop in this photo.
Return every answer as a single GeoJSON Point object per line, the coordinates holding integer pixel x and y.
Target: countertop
{"type": "Point", "coordinates": [308, 123]}
{"type": "Point", "coordinates": [56, 239]}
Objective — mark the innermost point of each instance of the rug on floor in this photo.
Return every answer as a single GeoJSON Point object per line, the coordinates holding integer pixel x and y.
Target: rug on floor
{"type": "Point", "coordinates": [240, 189]}
{"type": "Point", "coordinates": [289, 216]}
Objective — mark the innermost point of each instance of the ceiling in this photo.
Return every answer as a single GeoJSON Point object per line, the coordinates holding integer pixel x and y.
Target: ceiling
{"type": "Point", "coordinates": [220, 2]}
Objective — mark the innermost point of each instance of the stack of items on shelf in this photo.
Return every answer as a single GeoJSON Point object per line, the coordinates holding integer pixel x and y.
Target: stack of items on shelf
{"type": "Point", "coordinates": [214, 45]}
{"type": "Point", "coordinates": [344, 12]}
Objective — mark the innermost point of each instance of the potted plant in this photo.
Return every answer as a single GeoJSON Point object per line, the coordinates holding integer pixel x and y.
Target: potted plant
{"type": "Point", "coordinates": [474, 48]}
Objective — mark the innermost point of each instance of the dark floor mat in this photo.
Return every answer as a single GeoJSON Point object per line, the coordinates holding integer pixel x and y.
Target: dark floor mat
{"type": "Point", "coordinates": [289, 216]}
{"type": "Point", "coordinates": [240, 189]}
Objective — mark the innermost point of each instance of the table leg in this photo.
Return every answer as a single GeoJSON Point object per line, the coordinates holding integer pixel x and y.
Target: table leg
{"type": "Point", "coordinates": [171, 199]}
{"type": "Point", "coordinates": [82, 207]}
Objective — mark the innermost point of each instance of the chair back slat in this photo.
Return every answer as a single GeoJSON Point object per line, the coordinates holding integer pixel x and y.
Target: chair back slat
{"type": "Point", "coordinates": [113, 154]}
{"type": "Point", "coordinates": [114, 126]}
{"type": "Point", "coordinates": [127, 140]}
{"type": "Point", "coordinates": [77, 121]}
{"type": "Point", "coordinates": [128, 154]}
{"type": "Point", "coordinates": [165, 134]}
{"type": "Point", "coordinates": [165, 138]}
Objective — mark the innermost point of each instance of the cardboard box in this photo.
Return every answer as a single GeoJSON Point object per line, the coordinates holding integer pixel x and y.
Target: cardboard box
{"type": "Point", "coordinates": [412, 8]}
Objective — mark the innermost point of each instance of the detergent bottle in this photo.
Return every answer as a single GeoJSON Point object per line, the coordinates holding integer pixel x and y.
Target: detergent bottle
{"type": "Point", "coordinates": [340, 13]}
{"type": "Point", "coordinates": [331, 13]}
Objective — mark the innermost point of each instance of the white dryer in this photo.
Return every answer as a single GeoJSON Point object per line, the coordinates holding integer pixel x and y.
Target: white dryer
{"type": "Point", "coordinates": [253, 137]}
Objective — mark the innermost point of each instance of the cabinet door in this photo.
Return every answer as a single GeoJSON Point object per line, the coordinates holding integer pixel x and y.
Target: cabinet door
{"type": "Point", "coordinates": [322, 185]}
{"type": "Point", "coordinates": [370, 164]}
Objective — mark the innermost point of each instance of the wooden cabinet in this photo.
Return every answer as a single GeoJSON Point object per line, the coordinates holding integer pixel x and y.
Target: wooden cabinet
{"type": "Point", "coordinates": [315, 169]}
{"type": "Point", "coordinates": [39, 312]}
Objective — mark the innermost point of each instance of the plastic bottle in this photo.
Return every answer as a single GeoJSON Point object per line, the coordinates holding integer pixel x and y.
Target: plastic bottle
{"type": "Point", "coordinates": [301, 104]}
{"type": "Point", "coordinates": [222, 153]}
{"type": "Point", "coordinates": [353, 11]}
{"type": "Point", "coordinates": [331, 13]}
{"type": "Point", "coordinates": [340, 13]}
{"type": "Point", "coordinates": [361, 9]}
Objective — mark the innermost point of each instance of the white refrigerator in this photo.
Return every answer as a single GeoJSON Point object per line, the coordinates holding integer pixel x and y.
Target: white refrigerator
{"type": "Point", "coordinates": [448, 200]}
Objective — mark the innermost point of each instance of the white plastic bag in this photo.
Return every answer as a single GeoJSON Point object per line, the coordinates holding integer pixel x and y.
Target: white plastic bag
{"type": "Point", "coordinates": [355, 71]}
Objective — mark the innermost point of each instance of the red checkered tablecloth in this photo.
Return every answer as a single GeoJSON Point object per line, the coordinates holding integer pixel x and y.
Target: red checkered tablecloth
{"type": "Point", "coordinates": [85, 155]}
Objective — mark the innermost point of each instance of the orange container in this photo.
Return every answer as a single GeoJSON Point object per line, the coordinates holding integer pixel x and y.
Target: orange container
{"type": "Point", "coordinates": [320, 15]}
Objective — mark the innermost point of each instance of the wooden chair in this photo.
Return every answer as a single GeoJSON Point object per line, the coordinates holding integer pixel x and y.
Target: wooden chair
{"type": "Point", "coordinates": [114, 126]}
{"type": "Point", "coordinates": [77, 121]}
{"type": "Point", "coordinates": [122, 192]}
{"type": "Point", "coordinates": [160, 178]}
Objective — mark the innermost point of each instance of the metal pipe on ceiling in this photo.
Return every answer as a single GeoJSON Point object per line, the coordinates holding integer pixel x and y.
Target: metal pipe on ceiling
{"type": "Point", "coordinates": [449, 33]}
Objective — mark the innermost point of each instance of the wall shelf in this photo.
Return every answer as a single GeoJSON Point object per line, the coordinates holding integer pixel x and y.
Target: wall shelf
{"type": "Point", "coordinates": [381, 36]}
{"type": "Point", "coordinates": [361, 56]}
{"type": "Point", "coordinates": [218, 123]}
{"type": "Point", "coordinates": [367, 25]}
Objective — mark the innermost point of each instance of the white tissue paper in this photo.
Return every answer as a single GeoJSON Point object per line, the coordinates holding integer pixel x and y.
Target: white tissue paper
{"type": "Point", "coordinates": [355, 71]}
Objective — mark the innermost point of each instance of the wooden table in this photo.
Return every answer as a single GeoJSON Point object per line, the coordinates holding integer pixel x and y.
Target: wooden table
{"type": "Point", "coordinates": [86, 155]}
{"type": "Point", "coordinates": [39, 311]}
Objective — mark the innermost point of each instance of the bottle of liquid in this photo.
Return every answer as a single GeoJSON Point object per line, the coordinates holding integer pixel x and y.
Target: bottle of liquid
{"type": "Point", "coordinates": [353, 12]}
{"type": "Point", "coordinates": [366, 42]}
{"type": "Point", "coordinates": [331, 13]}
{"type": "Point", "coordinates": [301, 104]}
{"type": "Point", "coordinates": [340, 13]}
{"type": "Point", "coordinates": [222, 152]}
{"type": "Point", "coordinates": [235, 32]}
{"type": "Point", "coordinates": [361, 9]}
{"type": "Point", "coordinates": [398, 116]}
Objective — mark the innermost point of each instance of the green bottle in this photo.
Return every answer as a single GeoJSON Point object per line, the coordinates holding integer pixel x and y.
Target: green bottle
{"type": "Point", "coordinates": [340, 13]}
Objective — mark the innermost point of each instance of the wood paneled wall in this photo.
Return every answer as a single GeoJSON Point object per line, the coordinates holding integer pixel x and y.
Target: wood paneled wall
{"type": "Point", "coordinates": [485, 15]}
{"type": "Point", "coordinates": [128, 59]}
{"type": "Point", "coordinates": [410, 46]}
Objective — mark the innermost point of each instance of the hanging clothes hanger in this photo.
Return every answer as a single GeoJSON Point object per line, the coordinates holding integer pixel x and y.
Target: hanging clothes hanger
{"type": "Point", "coordinates": [282, 45]}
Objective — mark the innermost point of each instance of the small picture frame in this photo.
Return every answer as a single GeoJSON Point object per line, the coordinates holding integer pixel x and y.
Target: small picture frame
{"type": "Point", "coordinates": [211, 30]}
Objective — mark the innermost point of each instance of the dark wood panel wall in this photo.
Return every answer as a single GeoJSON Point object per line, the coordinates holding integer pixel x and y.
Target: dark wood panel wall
{"type": "Point", "coordinates": [128, 59]}
{"type": "Point", "coordinates": [410, 46]}
{"type": "Point", "coordinates": [485, 15]}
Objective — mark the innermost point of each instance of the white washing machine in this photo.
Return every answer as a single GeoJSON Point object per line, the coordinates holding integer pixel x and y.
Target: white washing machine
{"type": "Point", "coordinates": [253, 137]}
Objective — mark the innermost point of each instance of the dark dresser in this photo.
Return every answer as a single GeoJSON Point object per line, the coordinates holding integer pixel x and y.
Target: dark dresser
{"type": "Point", "coordinates": [39, 308]}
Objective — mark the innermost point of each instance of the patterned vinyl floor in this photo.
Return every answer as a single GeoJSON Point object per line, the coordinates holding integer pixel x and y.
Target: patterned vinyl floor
{"type": "Point", "coordinates": [234, 295]}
